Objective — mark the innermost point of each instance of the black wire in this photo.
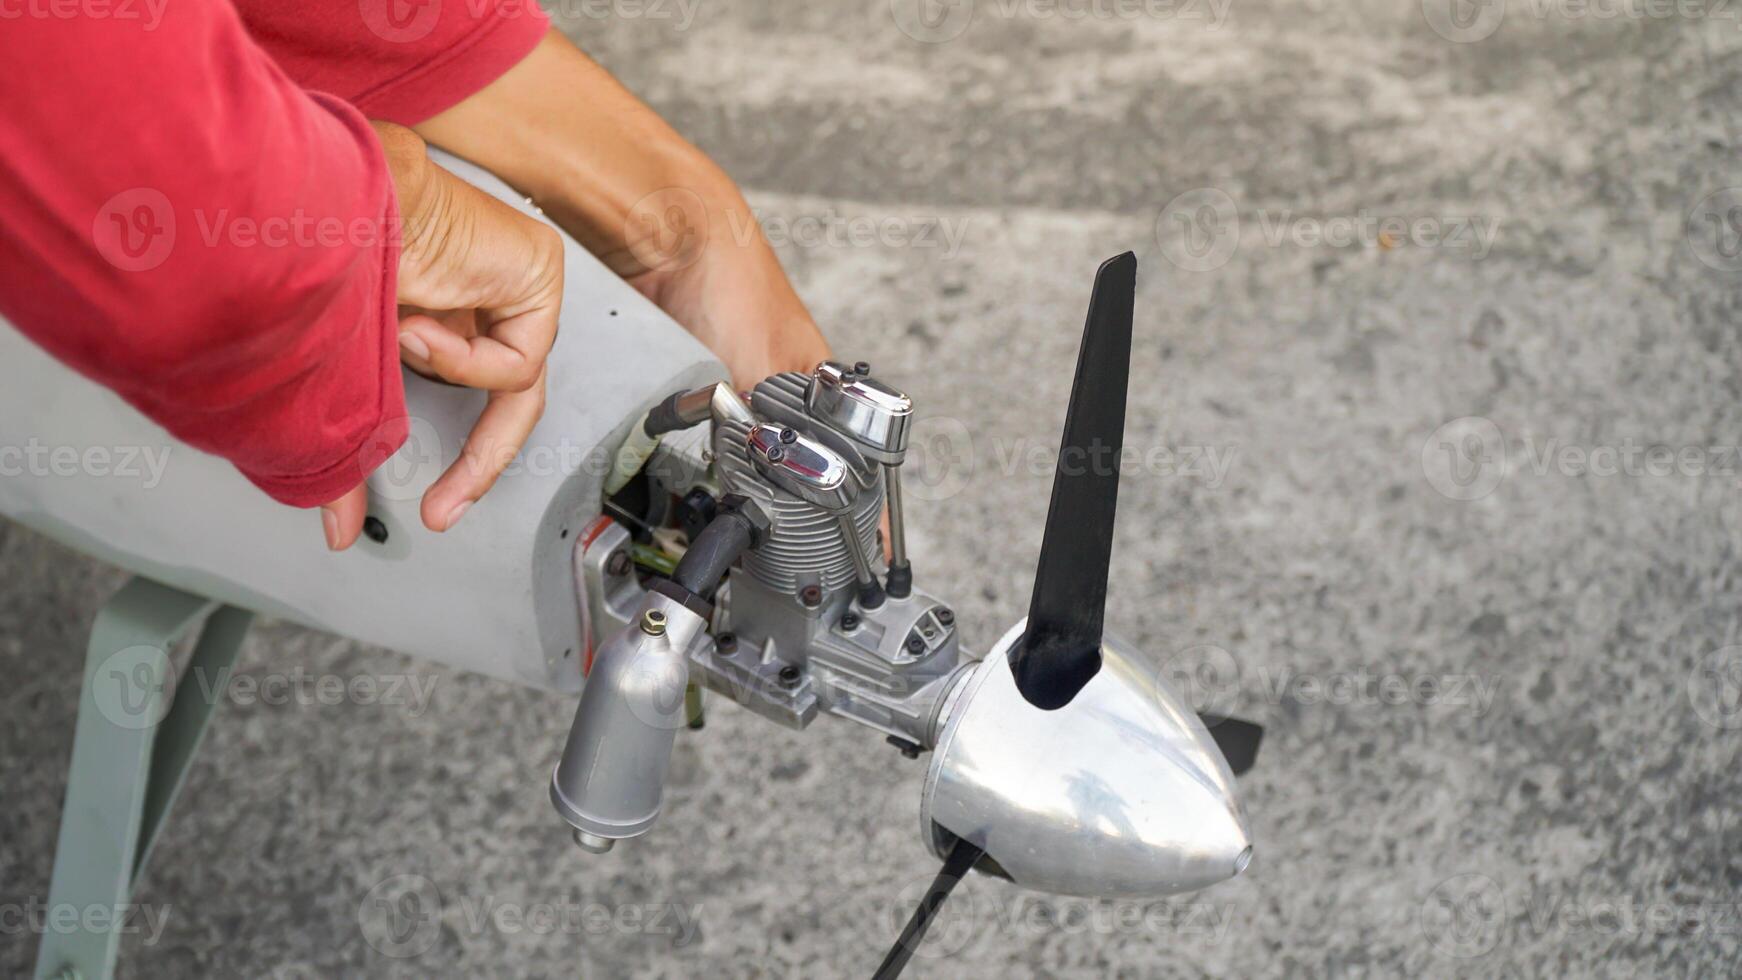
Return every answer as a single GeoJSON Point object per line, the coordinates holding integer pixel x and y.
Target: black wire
{"type": "Point", "coordinates": [956, 866]}
{"type": "Point", "coordinates": [628, 517]}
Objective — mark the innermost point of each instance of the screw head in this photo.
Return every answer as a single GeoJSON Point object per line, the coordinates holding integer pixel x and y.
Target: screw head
{"type": "Point", "coordinates": [776, 454]}
{"type": "Point", "coordinates": [946, 616]}
{"type": "Point", "coordinates": [862, 368]}
{"type": "Point", "coordinates": [653, 622]}
{"type": "Point", "coordinates": [811, 596]}
{"type": "Point", "coordinates": [617, 563]}
{"type": "Point", "coordinates": [850, 621]}
{"type": "Point", "coordinates": [788, 676]}
{"type": "Point", "coordinates": [726, 644]}
{"type": "Point", "coordinates": [789, 436]}
{"type": "Point", "coordinates": [915, 645]}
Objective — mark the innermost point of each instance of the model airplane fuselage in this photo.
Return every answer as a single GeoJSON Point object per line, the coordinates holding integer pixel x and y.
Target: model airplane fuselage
{"type": "Point", "coordinates": [1061, 759]}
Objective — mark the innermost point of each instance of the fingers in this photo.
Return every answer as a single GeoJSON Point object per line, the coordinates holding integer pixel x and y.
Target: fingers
{"type": "Point", "coordinates": [510, 357]}
{"type": "Point", "coordinates": [473, 252]}
{"type": "Point", "coordinates": [342, 519]}
{"type": "Point", "coordinates": [493, 444]}
{"type": "Point", "coordinates": [480, 288]}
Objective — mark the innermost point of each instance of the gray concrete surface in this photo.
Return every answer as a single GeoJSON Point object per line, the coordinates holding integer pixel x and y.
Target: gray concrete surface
{"type": "Point", "coordinates": [1556, 791]}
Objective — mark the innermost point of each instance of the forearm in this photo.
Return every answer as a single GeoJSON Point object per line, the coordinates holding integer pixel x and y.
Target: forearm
{"type": "Point", "coordinates": [560, 129]}
{"type": "Point", "coordinates": [654, 208]}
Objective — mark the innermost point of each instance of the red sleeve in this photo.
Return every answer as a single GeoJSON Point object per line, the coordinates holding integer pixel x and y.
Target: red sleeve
{"type": "Point", "coordinates": [185, 225]}
{"type": "Point", "coordinates": [398, 60]}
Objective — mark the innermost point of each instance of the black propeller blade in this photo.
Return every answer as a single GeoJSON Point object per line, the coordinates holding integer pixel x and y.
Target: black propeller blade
{"type": "Point", "coordinates": [1062, 648]}
{"type": "Point", "coordinates": [956, 866]}
{"type": "Point", "coordinates": [1237, 738]}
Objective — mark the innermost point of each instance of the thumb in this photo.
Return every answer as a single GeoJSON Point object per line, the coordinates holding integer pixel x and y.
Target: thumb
{"type": "Point", "coordinates": [342, 519]}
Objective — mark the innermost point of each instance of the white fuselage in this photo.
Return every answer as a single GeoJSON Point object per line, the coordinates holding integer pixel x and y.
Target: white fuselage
{"type": "Point", "coordinates": [496, 595]}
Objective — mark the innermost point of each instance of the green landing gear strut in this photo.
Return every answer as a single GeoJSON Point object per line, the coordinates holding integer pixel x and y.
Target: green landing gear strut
{"type": "Point", "coordinates": [137, 730]}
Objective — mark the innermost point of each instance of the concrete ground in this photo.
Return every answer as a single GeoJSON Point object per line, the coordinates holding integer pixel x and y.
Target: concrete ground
{"type": "Point", "coordinates": [1450, 503]}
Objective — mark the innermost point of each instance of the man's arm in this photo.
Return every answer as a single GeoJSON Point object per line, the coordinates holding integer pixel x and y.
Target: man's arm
{"type": "Point", "coordinates": [614, 175]}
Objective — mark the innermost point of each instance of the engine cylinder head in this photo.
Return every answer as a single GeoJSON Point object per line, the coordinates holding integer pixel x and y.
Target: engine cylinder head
{"type": "Point", "coordinates": [805, 544]}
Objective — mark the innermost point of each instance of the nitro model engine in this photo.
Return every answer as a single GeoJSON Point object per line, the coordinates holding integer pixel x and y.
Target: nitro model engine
{"type": "Point", "coordinates": [746, 558]}
{"type": "Point", "coordinates": [803, 622]}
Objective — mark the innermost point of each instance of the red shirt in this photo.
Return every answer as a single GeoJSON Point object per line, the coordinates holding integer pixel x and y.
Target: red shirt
{"type": "Point", "coordinates": [187, 219]}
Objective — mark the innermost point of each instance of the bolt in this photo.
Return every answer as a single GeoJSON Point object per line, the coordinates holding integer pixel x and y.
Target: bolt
{"type": "Point", "coordinates": [653, 622]}
{"type": "Point", "coordinates": [374, 530]}
{"type": "Point", "coordinates": [928, 632]}
{"type": "Point", "coordinates": [909, 749]}
{"type": "Point", "coordinates": [592, 843]}
{"type": "Point", "coordinates": [776, 454]}
{"type": "Point", "coordinates": [789, 676]}
{"type": "Point", "coordinates": [726, 644]}
{"type": "Point", "coordinates": [862, 368]}
{"type": "Point", "coordinates": [850, 621]}
{"type": "Point", "coordinates": [915, 645]}
{"type": "Point", "coordinates": [811, 596]}
{"type": "Point", "coordinates": [617, 563]}
{"type": "Point", "coordinates": [789, 436]}
{"type": "Point", "coordinates": [946, 617]}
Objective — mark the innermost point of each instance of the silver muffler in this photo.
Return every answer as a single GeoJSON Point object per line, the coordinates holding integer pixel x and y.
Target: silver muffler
{"type": "Point", "coordinates": [610, 782]}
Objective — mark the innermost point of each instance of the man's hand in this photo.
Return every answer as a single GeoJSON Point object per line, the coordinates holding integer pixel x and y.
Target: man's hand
{"type": "Point", "coordinates": [480, 287]}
